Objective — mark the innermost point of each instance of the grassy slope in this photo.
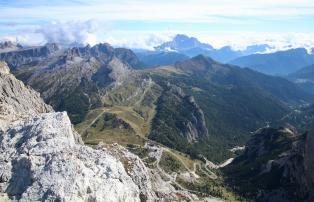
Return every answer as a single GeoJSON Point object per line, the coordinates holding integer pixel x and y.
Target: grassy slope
{"type": "Point", "coordinates": [133, 103]}
{"type": "Point", "coordinates": [109, 128]}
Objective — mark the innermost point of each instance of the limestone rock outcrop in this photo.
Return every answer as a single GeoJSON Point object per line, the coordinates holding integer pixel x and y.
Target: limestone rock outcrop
{"type": "Point", "coordinates": [41, 160]}
{"type": "Point", "coordinates": [16, 99]}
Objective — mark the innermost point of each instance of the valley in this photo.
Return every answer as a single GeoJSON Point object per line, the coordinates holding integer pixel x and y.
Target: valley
{"type": "Point", "coordinates": [197, 106]}
{"type": "Point", "coordinates": [156, 101]}
{"type": "Point", "coordinates": [190, 122]}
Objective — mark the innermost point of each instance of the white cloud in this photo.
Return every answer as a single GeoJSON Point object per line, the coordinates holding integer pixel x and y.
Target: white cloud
{"type": "Point", "coordinates": [140, 40]}
{"type": "Point", "coordinates": [63, 33]}
{"type": "Point", "coordinates": [72, 22]}
{"type": "Point", "coordinates": [70, 32]}
{"type": "Point", "coordinates": [239, 40]}
{"type": "Point", "coordinates": [86, 33]}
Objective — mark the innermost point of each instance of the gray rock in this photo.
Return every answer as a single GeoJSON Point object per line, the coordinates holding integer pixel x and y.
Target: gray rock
{"type": "Point", "coordinates": [41, 160]}
{"type": "Point", "coordinates": [25, 56]}
{"type": "Point", "coordinates": [16, 99]}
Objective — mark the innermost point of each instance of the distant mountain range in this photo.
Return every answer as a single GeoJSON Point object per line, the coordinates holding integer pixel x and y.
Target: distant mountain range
{"type": "Point", "coordinates": [255, 57]}
{"type": "Point", "coordinates": [278, 63]}
{"type": "Point", "coordinates": [190, 47]}
{"type": "Point", "coordinates": [304, 78]}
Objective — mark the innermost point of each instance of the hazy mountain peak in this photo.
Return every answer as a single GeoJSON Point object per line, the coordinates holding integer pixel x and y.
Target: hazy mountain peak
{"type": "Point", "coordinates": [191, 47]}
{"type": "Point", "coordinates": [9, 46]}
{"type": "Point", "coordinates": [184, 38]}
{"type": "Point", "coordinates": [182, 42]}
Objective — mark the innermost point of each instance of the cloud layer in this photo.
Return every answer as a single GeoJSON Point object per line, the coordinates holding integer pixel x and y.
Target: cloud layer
{"type": "Point", "coordinates": [70, 32]}
{"type": "Point", "coordinates": [145, 24]}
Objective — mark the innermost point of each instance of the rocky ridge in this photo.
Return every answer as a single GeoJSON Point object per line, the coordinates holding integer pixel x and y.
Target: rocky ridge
{"type": "Point", "coordinates": [78, 73]}
{"type": "Point", "coordinates": [31, 55]}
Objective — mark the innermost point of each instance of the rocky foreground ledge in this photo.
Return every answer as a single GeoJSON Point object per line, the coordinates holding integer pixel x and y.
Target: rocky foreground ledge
{"type": "Point", "coordinates": [42, 159]}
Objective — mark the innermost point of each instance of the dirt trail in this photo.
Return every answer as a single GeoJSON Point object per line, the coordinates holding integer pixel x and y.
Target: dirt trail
{"type": "Point", "coordinates": [89, 125]}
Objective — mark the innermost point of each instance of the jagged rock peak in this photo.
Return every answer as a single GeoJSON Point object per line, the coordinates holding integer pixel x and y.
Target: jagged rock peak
{"type": "Point", "coordinates": [102, 51]}
{"type": "Point", "coordinates": [182, 42]}
{"type": "Point", "coordinates": [51, 47]}
{"type": "Point", "coordinates": [9, 45]}
{"type": "Point", "coordinates": [28, 55]}
{"type": "Point", "coordinates": [102, 48]}
{"type": "Point", "coordinates": [6, 44]}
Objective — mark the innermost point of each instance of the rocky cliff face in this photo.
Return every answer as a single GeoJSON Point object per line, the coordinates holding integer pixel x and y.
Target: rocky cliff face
{"type": "Point", "coordinates": [191, 124]}
{"type": "Point", "coordinates": [16, 100]}
{"type": "Point", "coordinates": [277, 165]}
{"type": "Point", "coordinates": [194, 126]}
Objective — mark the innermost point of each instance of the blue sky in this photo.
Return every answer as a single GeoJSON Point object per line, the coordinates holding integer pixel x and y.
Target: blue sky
{"type": "Point", "coordinates": [144, 23]}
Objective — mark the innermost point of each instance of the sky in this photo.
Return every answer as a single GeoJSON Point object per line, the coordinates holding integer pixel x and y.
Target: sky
{"type": "Point", "coordinates": [147, 23]}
